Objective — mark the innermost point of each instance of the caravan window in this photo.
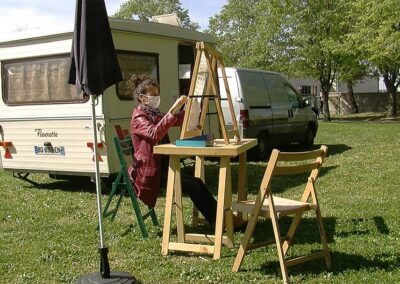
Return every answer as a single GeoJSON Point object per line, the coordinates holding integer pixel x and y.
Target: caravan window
{"type": "Point", "coordinates": [38, 81]}
{"type": "Point", "coordinates": [135, 63]}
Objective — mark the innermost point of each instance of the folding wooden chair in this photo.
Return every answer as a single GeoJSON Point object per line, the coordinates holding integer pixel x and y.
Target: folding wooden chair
{"type": "Point", "coordinates": [122, 184]}
{"type": "Point", "coordinates": [269, 206]}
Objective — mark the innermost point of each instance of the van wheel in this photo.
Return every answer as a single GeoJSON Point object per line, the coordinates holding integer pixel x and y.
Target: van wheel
{"type": "Point", "coordinates": [309, 137]}
{"type": "Point", "coordinates": [263, 149]}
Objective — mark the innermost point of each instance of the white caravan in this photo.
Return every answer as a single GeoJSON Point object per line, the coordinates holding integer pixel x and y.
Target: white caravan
{"type": "Point", "coordinates": [45, 125]}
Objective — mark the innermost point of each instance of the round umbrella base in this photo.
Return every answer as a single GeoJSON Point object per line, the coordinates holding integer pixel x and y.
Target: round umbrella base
{"type": "Point", "coordinates": [116, 277]}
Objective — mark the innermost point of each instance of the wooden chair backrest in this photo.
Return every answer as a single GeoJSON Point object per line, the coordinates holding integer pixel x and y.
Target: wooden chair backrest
{"type": "Point", "coordinates": [124, 149]}
{"type": "Point", "coordinates": [291, 163]}
{"type": "Point", "coordinates": [123, 144]}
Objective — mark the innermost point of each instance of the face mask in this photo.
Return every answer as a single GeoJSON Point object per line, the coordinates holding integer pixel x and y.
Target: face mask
{"type": "Point", "coordinates": [153, 101]}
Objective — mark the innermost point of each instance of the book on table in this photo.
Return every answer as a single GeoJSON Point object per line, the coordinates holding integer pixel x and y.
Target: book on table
{"type": "Point", "coordinates": [196, 141]}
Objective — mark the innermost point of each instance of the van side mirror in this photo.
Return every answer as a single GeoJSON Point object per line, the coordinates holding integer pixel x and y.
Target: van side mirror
{"type": "Point", "coordinates": [306, 102]}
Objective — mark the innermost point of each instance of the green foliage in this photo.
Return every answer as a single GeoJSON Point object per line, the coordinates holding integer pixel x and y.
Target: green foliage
{"type": "Point", "coordinates": [48, 233]}
{"type": "Point", "coordinates": [144, 10]}
{"type": "Point", "coordinates": [253, 34]}
{"type": "Point", "coordinates": [352, 64]}
{"type": "Point", "coordinates": [319, 39]}
{"type": "Point", "coordinates": [298, 38]}
{"type": "Point", "coordinates": [377, 32]}
{"type": "Point", "coordinates": [234, 29]}
{"type": "Point", "coordinates": [377, 36]}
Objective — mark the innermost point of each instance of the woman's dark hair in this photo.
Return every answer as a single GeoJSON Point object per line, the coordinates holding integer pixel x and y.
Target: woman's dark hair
{"type": "Point", "coordinates": [139, 84]}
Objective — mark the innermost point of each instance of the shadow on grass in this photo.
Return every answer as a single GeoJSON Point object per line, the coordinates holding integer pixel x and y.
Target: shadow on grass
{"type": "Point", "coordinates": [72, 184]}
{"type": "Point", "coordinates": [336, 149]}
{"type": "Point", "coordinates": [308, 234]}
{"type": "Point", "coordinates": [75, 184]}
{"type": "Point", "coordinates": [341, 262]}
{"type": "Point", "coordinates": [381, 225]}
{"type": "Point", "coordinates": [333, 149]}
{"type": "Point", "coordinates": [359, 227]}
{"type": "Point", "coordinates": [307, 230]}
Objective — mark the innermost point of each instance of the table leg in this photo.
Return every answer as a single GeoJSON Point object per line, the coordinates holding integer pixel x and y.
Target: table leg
{"type": "Point", "coordinates": [224, 174]}
{"type": "Point", "coordinates": [180, 229]}
{"type": "Point", "coordinates": [228, 206]}
{"type": "Point", "coordinates": [242, 182]}
{"type": "Point", "coordinates": [173, 161]}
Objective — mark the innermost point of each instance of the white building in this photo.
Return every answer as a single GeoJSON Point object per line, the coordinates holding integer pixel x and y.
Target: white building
{"type": "Point", "coordinates": [308, 86]}
{"type": "Point", "coordinates": [368, 84]}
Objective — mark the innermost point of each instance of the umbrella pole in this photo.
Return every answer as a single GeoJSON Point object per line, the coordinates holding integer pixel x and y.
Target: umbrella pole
{"type": "Point", "coordinates": [103, 250]}
{"type": "Point", "coordinates": [105, 276]}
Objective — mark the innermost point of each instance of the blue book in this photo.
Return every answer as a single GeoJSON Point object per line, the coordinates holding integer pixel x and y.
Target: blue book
{"type": "Point", "coordinates": [196, 141]}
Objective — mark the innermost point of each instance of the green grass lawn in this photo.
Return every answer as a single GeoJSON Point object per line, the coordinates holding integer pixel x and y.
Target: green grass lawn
{"type": "Point", "coordinates": [48, 233]}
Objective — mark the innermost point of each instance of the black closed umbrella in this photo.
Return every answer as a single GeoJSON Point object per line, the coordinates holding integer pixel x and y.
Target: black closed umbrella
{"type": "Point", "coordinates": [94, 67]}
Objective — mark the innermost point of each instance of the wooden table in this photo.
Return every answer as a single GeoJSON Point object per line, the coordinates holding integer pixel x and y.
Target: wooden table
{"type": "Point", "coordinates": [224, 199]}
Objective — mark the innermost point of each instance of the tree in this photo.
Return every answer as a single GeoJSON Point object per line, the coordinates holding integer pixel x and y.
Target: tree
{"type": "Point", "coordinates": [233, 30]}
{"type": "Point", "coordinates": [353, 66]}
{"type": "Point", "coordinates": [317, 34]}
{"type": "Point", "coordinates": [252, 33]}
{"type": "Point", "coordinates": [298, 38]}
{"type": "Point", "coordinates": [144, 10]}
{"type": "Point", "coordinates": [377, 35]}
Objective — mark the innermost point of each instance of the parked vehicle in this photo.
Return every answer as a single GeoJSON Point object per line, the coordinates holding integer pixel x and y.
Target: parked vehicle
{"type": "Point", "coordinates": [268, 108]}
{"type": "Point", "coordinates": [45, 126]}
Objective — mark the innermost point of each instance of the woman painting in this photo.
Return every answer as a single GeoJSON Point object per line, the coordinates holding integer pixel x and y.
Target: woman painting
{"type": "Point", "coordinates": [149, 127]}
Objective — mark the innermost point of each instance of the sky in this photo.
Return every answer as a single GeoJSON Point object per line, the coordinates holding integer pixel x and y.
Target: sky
{"type": "Point", "coordinates": [36, 14]}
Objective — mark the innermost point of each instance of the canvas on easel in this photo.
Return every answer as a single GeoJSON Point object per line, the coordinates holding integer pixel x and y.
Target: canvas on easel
{"type": "Point", "coordinates": [203, 88]}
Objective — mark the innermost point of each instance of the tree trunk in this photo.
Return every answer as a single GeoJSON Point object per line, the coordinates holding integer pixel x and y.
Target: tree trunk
{"type": "Point", "coordinates": [392, 107]}
{"type": "Point", "coordinates": [392, 90]}
{"type": "Point", "coordinates": [325, 106]}
{"type": "Point", "coordinates": [352, 102]}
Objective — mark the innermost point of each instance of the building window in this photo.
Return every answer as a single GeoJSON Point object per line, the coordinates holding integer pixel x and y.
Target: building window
{"type": "Point", "coordinates": [135, 64]}
{"type": "Point", "coordinates": [38, 81]}
{"type": "Point", "coordinates": [305, 90]}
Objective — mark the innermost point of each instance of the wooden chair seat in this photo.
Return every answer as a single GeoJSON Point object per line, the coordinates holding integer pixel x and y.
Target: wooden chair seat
{"type": "Point", "coordinates": [283, 206]}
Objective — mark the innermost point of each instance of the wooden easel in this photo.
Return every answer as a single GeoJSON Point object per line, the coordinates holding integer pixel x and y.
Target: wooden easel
{"type": "Point", "coordinates": [204, 86]}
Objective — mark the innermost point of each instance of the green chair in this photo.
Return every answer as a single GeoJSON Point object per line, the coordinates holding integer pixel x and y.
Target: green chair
{"type": "Point", "coordinates": [122, 184]}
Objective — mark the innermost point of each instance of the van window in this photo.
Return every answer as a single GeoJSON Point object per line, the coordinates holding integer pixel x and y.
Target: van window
{"type": "Point", "coordinates": [135, 63]}
{"type": "Point", "coordinates": [38, 81]}
{"type": "Point", "coordinates": [293, 97]}
{"type": "Point", "coordinates": [254, 89]}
